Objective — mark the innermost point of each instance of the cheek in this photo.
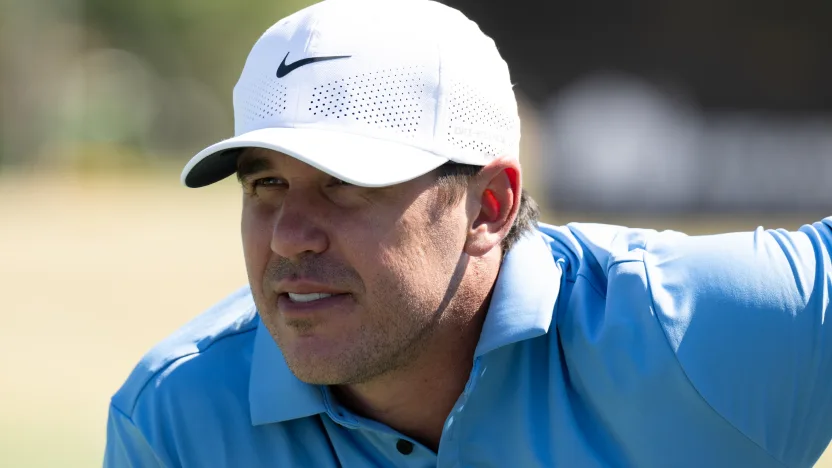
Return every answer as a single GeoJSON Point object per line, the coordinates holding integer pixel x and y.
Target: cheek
{"type": "Point", "coordinates": [434, 238]}
{"type": "Point", "coordinates": [419, 256]}
{"type": "Point", "coordinates": [375, 247]}
{"type": "Point", "coordinates": [256, 238]}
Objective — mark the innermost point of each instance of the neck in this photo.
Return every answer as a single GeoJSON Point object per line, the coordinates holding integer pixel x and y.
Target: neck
{"type": "Point", "coordinates": [416, 400]}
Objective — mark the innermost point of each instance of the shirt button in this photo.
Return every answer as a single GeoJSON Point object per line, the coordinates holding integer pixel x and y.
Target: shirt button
{"type": "Point", "coordinates": [405, 447]}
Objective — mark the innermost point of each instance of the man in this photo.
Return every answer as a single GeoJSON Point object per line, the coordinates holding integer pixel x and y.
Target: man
{"type": "Point", "coordinates": [405, 308]}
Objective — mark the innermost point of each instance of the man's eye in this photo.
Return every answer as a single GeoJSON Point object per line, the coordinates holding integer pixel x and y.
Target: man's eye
{"type": "Point", "coordinates": [340, 183]}
{"type": "Point", "coordinates": [265, 182]}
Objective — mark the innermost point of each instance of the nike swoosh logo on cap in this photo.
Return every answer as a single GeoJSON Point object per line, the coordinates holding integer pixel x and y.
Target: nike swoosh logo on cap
{"type": "Point", "coordinates": [285, 69]}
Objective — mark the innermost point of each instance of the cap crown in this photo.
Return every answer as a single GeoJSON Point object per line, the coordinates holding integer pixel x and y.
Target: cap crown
{"type": "Point", "coordinates": [410, 71]}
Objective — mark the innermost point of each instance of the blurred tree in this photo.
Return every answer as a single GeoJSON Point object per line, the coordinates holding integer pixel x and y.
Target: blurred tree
{"type": "Point", "coordinates": [122, 78]}
{"type": "Point", "coordinates": [206, 39]}
{"type": "Point", "coordinates": [196, 49]}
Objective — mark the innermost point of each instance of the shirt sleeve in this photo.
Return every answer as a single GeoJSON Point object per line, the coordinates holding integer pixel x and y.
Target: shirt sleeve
{"type": "Point", "coordinates": [126, 445]}
{"type": "Point", "coordinates": [745, 315]}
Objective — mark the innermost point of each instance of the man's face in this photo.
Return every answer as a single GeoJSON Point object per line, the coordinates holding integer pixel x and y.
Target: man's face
{"type": "Point", "coordinates": [350, 281]}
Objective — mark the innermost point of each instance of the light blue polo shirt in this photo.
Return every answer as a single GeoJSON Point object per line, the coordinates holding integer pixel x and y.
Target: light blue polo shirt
{"type": "Point", "coordinates": [603, 347]}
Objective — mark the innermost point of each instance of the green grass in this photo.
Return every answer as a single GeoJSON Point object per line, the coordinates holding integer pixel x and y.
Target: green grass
{"type": "Point", "coordinates": [49, 444]}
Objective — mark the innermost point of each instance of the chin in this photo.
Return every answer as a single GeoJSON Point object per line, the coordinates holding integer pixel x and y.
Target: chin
{"type": "Point", "coordinates": [314, 362]}
{"type": "Point", "coordinates": [316, 374]}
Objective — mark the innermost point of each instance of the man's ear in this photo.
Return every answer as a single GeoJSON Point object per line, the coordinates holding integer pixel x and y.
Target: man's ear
{"type": "Point", "coordinates": [493, 204]}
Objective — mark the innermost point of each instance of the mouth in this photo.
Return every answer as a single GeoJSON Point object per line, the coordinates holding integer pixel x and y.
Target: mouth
{"type": "Point", "coordinates": [307, 304]}
{"type": "Point", "coordinates": [310, 297]}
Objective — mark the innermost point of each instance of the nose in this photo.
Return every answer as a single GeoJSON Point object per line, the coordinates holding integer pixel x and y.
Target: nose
{"type": "Point", "coordinates": [298, 226]}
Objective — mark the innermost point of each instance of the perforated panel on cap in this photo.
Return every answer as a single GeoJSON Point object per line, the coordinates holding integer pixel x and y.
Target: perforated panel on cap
{"type": "Point", "coordinates": [262, 98]}
{"type": "Point", "coordinates": [477, 123]}
{"type": "Point", "coordinates": [386, 99]}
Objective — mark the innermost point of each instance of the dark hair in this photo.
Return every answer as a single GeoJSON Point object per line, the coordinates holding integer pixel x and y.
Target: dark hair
{"type": "Point", "coordinates": [453, 178]}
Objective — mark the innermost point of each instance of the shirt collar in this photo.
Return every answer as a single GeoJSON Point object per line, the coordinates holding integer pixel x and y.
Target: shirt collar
{"type": "Point", "coordinates": [274, 393]}
{"type": "Point", "coordinates": [523, 302]}
{"type": "Point", "coordinates": [522, 307]}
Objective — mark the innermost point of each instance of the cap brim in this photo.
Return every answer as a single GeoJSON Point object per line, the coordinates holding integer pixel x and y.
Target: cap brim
{"type": "Point", "coordinates": [356, 159]}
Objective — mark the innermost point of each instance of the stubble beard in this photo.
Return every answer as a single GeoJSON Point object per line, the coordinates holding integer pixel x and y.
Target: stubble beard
{"type": "Point", "coordinates": [389, 343]}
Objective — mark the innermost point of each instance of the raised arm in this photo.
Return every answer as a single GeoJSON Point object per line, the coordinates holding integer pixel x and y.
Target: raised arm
{"type": "Point", "coordinates": [747, 316]}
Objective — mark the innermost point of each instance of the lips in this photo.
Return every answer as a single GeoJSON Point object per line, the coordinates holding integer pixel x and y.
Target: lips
{"type": "Point", "coordinates": [296, 305]}
{"type": "Point", "coordinates": [309, 297]}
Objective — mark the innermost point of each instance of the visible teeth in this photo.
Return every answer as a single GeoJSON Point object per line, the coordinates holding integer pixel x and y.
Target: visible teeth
{"type": "Point", "coordinates": [307, 297]}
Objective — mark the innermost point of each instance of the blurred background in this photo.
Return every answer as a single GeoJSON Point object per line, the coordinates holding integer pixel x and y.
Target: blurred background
{"type": "Point", "coordinates": [698, 115]}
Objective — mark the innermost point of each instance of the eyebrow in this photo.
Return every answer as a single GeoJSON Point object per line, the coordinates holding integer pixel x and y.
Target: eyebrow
{"type": "Point", "coordinates": [248, 165]}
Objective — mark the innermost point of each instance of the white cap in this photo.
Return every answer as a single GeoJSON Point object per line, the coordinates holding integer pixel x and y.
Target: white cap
{"type": "Point", "coordinates": [373, 92]}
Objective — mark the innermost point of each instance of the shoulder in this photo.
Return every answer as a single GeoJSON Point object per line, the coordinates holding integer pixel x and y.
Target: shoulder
{"type": "Point", "coordinates": [214, 347]}
{"type": "Point", "coordinates": [591, 251]}
{"type": "Point", "coordinates": [670, 269]}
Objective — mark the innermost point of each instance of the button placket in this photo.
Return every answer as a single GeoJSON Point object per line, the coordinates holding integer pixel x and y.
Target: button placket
{"type": "Point", "coordinates": [449, 452]}
{"type": "Point", "coordinates": [405, 447]}
{"type": "Point", "coordinates": [335, 413]}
